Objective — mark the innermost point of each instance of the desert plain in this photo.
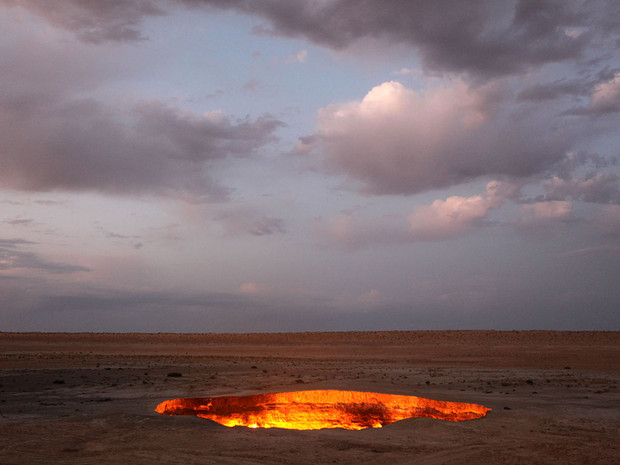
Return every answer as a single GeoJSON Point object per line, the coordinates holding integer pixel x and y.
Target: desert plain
{"type": "Point", "coordinates": [90, 398]}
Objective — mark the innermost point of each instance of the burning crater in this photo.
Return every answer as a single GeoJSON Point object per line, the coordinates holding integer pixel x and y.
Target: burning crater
{"type": "Point", "coordinates": [305, 410]}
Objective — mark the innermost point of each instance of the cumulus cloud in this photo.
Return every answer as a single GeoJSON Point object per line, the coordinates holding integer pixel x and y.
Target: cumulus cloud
{"type": "Point", "coordinates": [442, 219]}
{"type": "Point", "coordinates": [548, 219]}
{"type": "Point", "coordinates": [454, 216]}
{"type": "Point", "coordinates": [398, 141]}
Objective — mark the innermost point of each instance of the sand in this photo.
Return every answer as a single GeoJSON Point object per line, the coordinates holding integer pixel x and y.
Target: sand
{"type": "Point", "coordinates": [89, 398]}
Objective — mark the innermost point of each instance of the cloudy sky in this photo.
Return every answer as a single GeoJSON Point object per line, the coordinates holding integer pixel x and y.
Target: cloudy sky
{"type": "Point", "coordinates": [270, 165]}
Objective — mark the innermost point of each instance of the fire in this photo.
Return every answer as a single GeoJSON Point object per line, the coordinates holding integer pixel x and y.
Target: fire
{"type": "Point", "coordinates": [319, 409]}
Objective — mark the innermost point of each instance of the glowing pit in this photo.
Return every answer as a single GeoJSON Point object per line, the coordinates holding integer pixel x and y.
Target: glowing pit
{"type": "Point", "coordinates": [319, 409]}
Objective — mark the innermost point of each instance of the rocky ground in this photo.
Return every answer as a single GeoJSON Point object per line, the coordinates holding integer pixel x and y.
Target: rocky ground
{"type": "Point", "coordinates": [89, 398]}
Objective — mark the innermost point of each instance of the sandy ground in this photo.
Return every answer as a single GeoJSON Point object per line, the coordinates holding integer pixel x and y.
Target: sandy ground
{"type": "Point", "coordinates": [89, 398]}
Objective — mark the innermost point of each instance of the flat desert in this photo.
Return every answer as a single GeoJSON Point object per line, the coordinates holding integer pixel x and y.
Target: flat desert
{"type": "Point", "coordinates": [90, 398]}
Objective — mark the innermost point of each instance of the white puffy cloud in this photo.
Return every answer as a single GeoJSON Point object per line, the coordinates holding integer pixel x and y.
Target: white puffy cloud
{"type": "Point", "coordinates": [455, 215]}
{"type": "Point", "coordinates": [442, 219]}
{"type": "Point", "coordinates": [399, 141]}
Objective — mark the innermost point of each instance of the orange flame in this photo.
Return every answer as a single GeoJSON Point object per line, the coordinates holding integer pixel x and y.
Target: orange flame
{"type": "Point", "coordinates": [319, 409]}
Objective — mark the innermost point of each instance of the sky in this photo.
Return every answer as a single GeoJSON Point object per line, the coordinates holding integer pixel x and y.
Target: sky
{"type": "Point", "coordinates": [316, 165]}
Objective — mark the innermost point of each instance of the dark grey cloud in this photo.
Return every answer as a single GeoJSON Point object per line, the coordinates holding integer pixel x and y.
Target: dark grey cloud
{"type": "Point", "coordinates": [83, 145]}
{"type": "Point", "coordinates": [594, 187]}
{"type": "Point", "coordinates": [54, 138]}
{"type": "Point", "coordinates": [574, 88]}
{"type": "Point", "coordinates": [553, 90]}
{"type": "Point", "coordinates": [13, 258]}
{"type": "Point", "coordinates": [483, 38]}
{"type": "Point", "coordinates": [205, 137]}
{"type": "Point", "coordinates": [92, 20]}
{"type": "Point", "coordinates": [575, 160]}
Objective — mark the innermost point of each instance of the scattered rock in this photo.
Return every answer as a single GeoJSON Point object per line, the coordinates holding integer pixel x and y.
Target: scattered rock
{"type": "Point", "coordinates": [175, 374]}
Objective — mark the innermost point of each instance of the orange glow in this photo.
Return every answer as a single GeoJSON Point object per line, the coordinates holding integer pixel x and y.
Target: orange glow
{"type": "Point", "coordinates": [319, 409]}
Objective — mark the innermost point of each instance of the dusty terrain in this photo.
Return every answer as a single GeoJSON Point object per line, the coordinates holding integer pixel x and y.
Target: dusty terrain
{"type": "Point", "coordinates": [89, 398]}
